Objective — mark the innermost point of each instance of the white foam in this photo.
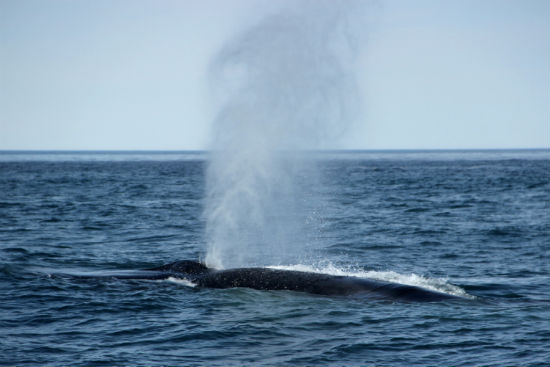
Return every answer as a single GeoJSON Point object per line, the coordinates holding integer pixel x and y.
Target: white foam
{"type": "Point", "coordinates": [182, 281]}
{"type": "Point", "coordinates": [435, 284]}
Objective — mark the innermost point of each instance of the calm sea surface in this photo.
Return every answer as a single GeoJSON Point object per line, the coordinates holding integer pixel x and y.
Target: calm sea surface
{"type": "Point", "coordinates": [470, 223]}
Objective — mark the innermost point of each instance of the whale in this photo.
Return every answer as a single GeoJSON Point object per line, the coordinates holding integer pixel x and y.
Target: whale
{"type": "Point", "coordinates": [269, 279]}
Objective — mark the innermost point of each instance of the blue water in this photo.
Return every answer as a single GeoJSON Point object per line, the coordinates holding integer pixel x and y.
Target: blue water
{"type": "Point", "coordinates": [475, 224]}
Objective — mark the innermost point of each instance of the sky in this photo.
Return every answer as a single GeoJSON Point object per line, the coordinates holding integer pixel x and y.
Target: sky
{"type": "Point", "coordinates": [133, 74]}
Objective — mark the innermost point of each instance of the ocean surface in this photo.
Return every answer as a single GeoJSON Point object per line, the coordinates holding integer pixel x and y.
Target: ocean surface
{"type": "Point", "coordinates": [470, 223]}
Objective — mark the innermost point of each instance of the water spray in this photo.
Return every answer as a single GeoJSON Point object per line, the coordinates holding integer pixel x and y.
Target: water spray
{"type": "Point", "coordinates": [285, 85]}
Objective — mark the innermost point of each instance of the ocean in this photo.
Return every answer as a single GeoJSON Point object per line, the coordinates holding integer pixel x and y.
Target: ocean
{"type": "Point", "coordinates": [470, 223]}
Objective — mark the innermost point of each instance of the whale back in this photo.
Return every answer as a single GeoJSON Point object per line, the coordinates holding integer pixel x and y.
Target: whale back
{"type": "Point", "coordinates": [316, 283]}
{"type": "Point", "coordinates": [273, 279]}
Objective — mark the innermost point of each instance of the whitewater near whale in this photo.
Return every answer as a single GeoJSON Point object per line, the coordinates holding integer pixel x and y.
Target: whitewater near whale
{"type": "Point", "coordinates": [278, 279]}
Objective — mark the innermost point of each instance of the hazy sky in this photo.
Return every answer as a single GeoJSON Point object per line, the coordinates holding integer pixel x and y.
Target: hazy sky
{"type": "Point", "coordinates": [132, 74]}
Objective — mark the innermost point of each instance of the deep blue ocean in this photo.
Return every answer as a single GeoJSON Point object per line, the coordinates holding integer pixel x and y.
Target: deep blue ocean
{"type": "Point", "coordinates": [470, 223]}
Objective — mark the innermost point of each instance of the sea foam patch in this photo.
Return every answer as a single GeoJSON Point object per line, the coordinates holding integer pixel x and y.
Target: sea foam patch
{"type": "Point", "coordinates": [181, 281]}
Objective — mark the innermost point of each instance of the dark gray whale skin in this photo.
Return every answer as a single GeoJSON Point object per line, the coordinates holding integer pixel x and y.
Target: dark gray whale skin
{"type": "Point", "coordinates": [274, 279]}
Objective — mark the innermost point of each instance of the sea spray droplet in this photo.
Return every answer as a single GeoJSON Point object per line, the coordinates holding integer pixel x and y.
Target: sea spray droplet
{"type": "Point", "coordinates": [285, 85]}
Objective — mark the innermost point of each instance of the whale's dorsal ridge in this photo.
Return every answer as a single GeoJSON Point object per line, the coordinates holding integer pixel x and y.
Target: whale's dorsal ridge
{"type": "Point", "coordinates": [291, 280]}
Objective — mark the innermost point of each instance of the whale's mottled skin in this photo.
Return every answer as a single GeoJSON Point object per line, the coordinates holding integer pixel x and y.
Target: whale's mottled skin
{"type": "Point", "coordinates": [275, 279]}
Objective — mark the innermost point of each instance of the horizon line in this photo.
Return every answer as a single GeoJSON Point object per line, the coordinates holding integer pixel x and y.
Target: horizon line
{"type": "Point", "coordinates": [3, 151]}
